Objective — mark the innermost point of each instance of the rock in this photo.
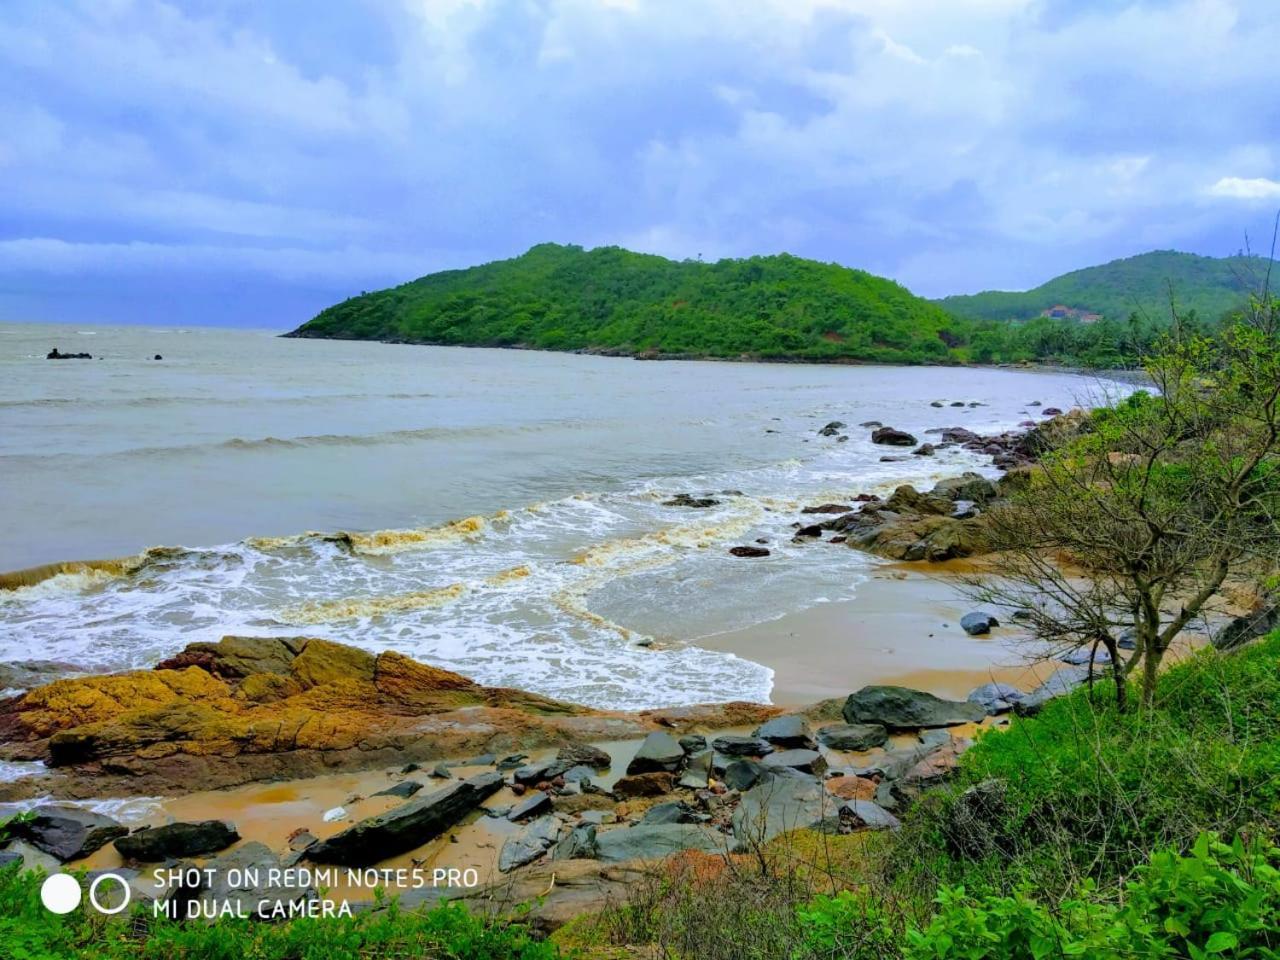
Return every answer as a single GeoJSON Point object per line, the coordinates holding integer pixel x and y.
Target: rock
{"type": "Point", "coordinates": [957, 403]}
{"type": "Point", "coordinates": [1128, 639]}
{"type": "Point", "coordinates": [813, 530]}
{"type": "Point", "coordinates": [441, 772]}
{"type": "Point", "coordinates": [867, 815]}
{"type": "Point", "coordinates": [1051, 412]}
{"type": "Point", "coordinates": [806, 761]}
{"type": "Point", "coordinates": [55, 355]}
{"type": "Point", "coordinates": [407, 827]}
{"type": "Point", "coordinates": [828, 508]}
{"type": "Point", "coordinates": [300, 839]}
{"type": "Point", "coordinates": [580, 844]}
{"type": "Point", "coordinates": [976, 624]}
{"type": "Point", "coordinates": [777, 805]}
{"type": "Point", "coordinates": [157, 357]}
{"type": "Point", "coordinates": [404, 789]}
{"type": "Point", "coordinates": [933, 738]}
{"type": "Point", "coordinates": [584, 754]}
{"type": "Point", "coordinates": [899, 708]}
{"type": "Point", "coordinates": [906, 499]}
{"type": "Point", "coordinates": [253, 865]}
{"type": "Point", "coordinates": [692, 743]}
{"type": "Point", "coordinates": [1034, 403]}
{"type": "Point", "coordinates": [529, 844]}
{"type": "Point", "coordinates": [176, 840]}
{"type": "Point", "coordinates": [580, 774]}
{"type": "Point", "coordinates": [851, 787]}
{"type": "Point", "coordinates": [653, 784]}
{"type": "Point", "coordinates": [513, 762]}
{"type": "Point", "coordinates": [25, 674]}
{"type": "Point", "coordinates": [744, 774]}
{"type": "Point", "coordinates": [1086, 654]}
{"type": "Point", "coordinates": [1062, 682]}
{"type": "Point", "coordinates": [924, 450]}
{"type": "Point", "coordinates": [673, 811]}
{"type": "Point", "coordinates": [697, 773]}
{"type": "Point", "coordinates": [892, 437]}
{"type": "Point", "coordinates": [1240, 630]}
{"type": "Point", "coordinates": [748, 551]}
{"type": "Point", "coordinates": [831, 429]}
{"type": "Point", "coordinates": [8, 857]}
{"type": "Point", "coordinates": [936, 403]}
{"type": "Point", "coordinates": [787, 731]}
{"type": "Point", "coordinates": [737, 746]}
{"type": "Point", "coordinates": [659, 751]}
{"type": "Point", "coordinates": [967, 486]}
{"type": "Point", "coordinates": [853, 736]}
{"type": "Point", "coordinates": [697, 503]}
{"type": "Point", "coordinates": [870, 424]}
{"type": "Point", "coordinates": [535, 803]}
{"type": "Point", "coordinates": [974, 824]}
{"type": "Point", "coordinates": [68, 833]}
{"type": "Point", "coordinates": [995, 698]}
{"type": "Point", "coordinates": [658, 840]}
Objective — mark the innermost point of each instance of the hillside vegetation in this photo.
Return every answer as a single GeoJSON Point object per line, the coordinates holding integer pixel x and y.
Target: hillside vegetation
{"type": "Point", "coordinates": [1142, 284]}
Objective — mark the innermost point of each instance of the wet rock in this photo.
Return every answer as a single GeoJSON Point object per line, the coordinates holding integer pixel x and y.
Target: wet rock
{"type": "Point", "coordinates": [529, 844]}
{"type": "Point", "coordinates": [67, 833]}
{"type": "Point", "coordinates": [853, 736]}
{"type": "Point", "coordinates": [659, 751]}
{"type": "Point", "coordinates": [698, 771]}
{"type": "Point", "coordinates": [806, 761]}
{"type": "Point", "coordinates": [924, 450]}
{"type": "Point", "coordinates": [176, 840]}
{"type": "Point", "coordinates": [828, 508]}
{"type": "Point", "coordinates": [900, 708]}
{"type": "Point", "coordinates": [696, 503]}
{"type": "Point", "coordinates": [514, 762]}
{"type": "Point", "coordinates": [907, 499]}
{"type": "Point", "coordinates": [404, 789]}
{"type": "Point", "coordinates": [644, 785]}
{"type": "Point", "coordinates": [658, 840]}
{"type": "Point", "coordinates": [995, 698]}
{"type": "Point", "coordinates": [893, 438]}
{"type": "Point", "coordinates": [25, 674]}
{"type": "Point", "coordinates": [407, 827]}
{"type": "Point", "coordinates": [580, 844]}
{"type": "Point", "coordinates": [692, 743]}
{"type": "Point", "coordinates": [534, 804]}
{"type": "Point", "coordinates": [584, 754]}
{"type": "Point", "coordinates": [1051, 412]}
{"type": "Point", "coordinates": [787, 731]}
{"type": "Point", "coordinates": [976, 624]}
{"type": "Point", "coordinates": [534, 773]}
{"type": "Point", "coordinates": [867, 815]}
{"type": "Point", "coordinates": [831, 429]}
{"type": "Point", "coordinates": [936, 403]}
{"type": "Point", "coordinates": [870, 424]}
{"type": "Point", "coordinates": [738, 746]}
{"type": "Point", "coordinates": [748, 551]}
{"type": "Point", "coordinates": [811, 531]}
{"type": "Point", "coordinates": [55, 354]}
{"type": "Point", "coordinates": [581, 774]}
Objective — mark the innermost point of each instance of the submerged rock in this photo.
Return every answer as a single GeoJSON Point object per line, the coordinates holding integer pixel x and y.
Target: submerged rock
{"type": "Point", "coordinates": [696, 503]}
{"type": "Point", "coordinates": [900, 708]}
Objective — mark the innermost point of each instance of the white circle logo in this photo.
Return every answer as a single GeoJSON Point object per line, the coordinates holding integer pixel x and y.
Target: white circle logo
{"type": "Point", "coordinates": [93, 893]}
{"type": "Point", "coordinates": [60, 893]}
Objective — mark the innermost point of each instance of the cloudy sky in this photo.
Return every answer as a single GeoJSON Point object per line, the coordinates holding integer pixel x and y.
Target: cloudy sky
{"type": "Point", "coordinates": [249, 161]}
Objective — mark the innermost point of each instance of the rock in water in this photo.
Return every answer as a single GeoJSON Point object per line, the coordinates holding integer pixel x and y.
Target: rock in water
{"type": "Point", "coordinates": [659, 752]}
{"type": "Point", "coordinates": [406, 827]}
{"type": "Point", "coordinates": [893, 438]}
{"type": "Point", "coordinates": [976, 624]}
{"type": "Point", "coordinates": [585, 755]}
{"type": "Point", "coordinates": [174, 840]}
{"type": "Point", "coordinates": [657, 840]}
{"type": "Point", "coordinates": [404, 789]}
{"type": "Point", "coordinates": [789, 732]}
{"type": "Point", "coordinates": [853, 736]}
{"type": "Point", "coordinates": [67, 833]}
{"type": "Point", "coordinates": [529, 844]}
{"type": "Point", "coordinates": [900, 708]}
{"type": "Point", "coordinates": [749, 551]}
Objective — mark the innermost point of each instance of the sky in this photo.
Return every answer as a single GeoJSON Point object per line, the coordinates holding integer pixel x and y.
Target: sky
{"type": "Point", "coordinates": [248, 162]}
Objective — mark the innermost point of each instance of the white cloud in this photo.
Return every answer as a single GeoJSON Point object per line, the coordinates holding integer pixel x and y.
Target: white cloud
{"type": "Point", "coordinates": [1246, 188]}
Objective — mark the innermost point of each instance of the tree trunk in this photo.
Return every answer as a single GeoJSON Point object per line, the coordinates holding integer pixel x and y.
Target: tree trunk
{"type": "Point", "coordinates": [1150, 671]}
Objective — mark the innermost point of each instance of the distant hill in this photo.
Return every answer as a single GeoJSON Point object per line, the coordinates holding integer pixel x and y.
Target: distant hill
{"type": "Point", "coordinates": [1210, 286]}
{"type": "Point", "coordinates": [611, 300]}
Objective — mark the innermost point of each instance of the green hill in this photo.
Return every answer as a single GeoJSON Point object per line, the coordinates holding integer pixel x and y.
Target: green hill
{"type": "Point", "coordinates": [611, 300]}
{"type": "Point", "coordinates": [1209, 286]}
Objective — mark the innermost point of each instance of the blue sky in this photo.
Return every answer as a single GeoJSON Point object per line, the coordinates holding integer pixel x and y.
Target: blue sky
{"type": "Point", "coordinates": [247, 162]}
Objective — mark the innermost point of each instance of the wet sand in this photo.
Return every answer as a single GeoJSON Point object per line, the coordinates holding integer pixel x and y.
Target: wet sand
{"type": "Point", "coordinates": [902, 627]}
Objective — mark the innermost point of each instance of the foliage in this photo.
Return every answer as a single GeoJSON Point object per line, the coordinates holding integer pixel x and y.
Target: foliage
{"type": "Point", "coordinates": [29, 932]}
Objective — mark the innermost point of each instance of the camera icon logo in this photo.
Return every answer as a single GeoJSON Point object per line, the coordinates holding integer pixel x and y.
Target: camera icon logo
{"type": "Point", "coordinates": [60, 893]}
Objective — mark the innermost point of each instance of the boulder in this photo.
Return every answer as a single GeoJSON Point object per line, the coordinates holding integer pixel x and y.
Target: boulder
{"type": "Point", "coordinates": [673, 811]}
{"type": "Point", "coordinates": [68, 833]}
{"type": "Point", "coordinates": [788, 731]}
{"type": "Point", "coordinates": [831, 429]}
{"type": "Point", "coordinates": [853, 736]}
{"type": "Point", "coordinates": [968, 486]}
{"type": "Point", "coordinates": [404, 789]}
{"type": "Point", "coordinates": [867, 815]}
{"type": "Point", "coordinates": [584, 754]}
{"type": "Point", "coordinates": [907, 499]}
{"type": "Point", "coordinates": [924, 450]}
{"type": "Point", "coordinates": [653, 784]}
{"type": "Point", "coordinates": [851, 788]}
{"type": "Point", "coordinates": [657, 840]}
{"type": "Point", "coordinates": [744, 774]}
{"type": "Point", "coordinates": [977, 624]}
{"type": "Point", "coordinates": [738, 746]}
{"type": "Point", "coordinates": [659, 752]}
{"type": "Point", "coordinates": [692, 743]}
{"type": "Point", "coordinates": [777, 805]}
{"type": "Point", "coordinates": [579, 844]}
{"type": "Point", "coordinates": [697, 773]}
{"type": "Point", "coordinates": [528, 844]}
{"type": "Point", "coordinates": [995, 698]}
{"type": "Point", "coordinates": [696, 503]}
{"type": "Point", "coordinates": [407, 827]}
{"type": "Point", "coordinates": [806, 761]}
{"type": "Point", "coordinates": [748, 551]}
{"type": "Point", "coordinates": [892, 437]}
{"type": "Point", "coordinates": [900, 708]}
{"type": "Point", "coordinates": [175, 840]}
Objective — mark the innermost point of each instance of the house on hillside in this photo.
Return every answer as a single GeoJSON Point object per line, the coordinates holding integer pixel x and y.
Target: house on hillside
{"type": "Point", "coordinates": [1062, 312]}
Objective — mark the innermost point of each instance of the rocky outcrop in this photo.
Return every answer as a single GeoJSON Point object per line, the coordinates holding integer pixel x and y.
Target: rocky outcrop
{"type": "Point", "coordinates": [900, 708]}
{"type": "Point", "coordinates": [921, 528]}
{"type": "Point", "coordinates": [406, 827]}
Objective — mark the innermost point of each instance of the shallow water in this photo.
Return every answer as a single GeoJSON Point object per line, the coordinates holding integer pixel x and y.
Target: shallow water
{"type": "Point", "coordinates": [505, 508]}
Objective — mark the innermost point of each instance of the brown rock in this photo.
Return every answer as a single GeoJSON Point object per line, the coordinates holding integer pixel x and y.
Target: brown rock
{"type": "Point", "coordinates": [644, 785]}
{"type": "Point", "coordinates": [852, 788]}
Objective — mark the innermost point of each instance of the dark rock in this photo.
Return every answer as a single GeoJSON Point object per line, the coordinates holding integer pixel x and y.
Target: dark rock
{"type": "Point", "coordinates": [659, 751]}
{"type": "Point", "coordinates": [893, 438]}
{"type": "Point", "coordinates": [867, 815]}
{"type": "Point", "coordinates": [957, 403]}
{"type": "Point", "coordinates": [407, 827]}
{"type": "Point", "coordinates": [484, 760]}
{"type": "Point", "coordinates": [512, 762]}
{"type": "Point", "coordinates": [1242, 629]}
{"type": "Point", "coordinates": [995, 698]}
{"type": "Point", "coordinates": [737, 746]}
{"type": "Point", "coordinates": [869, 424]}
{"type": "Point", "coordinates": [67, 833]}
{"type": "Point", "coordinates": [644, 785]}
{"type": "Point", "coordinates": [967, 486]}
{"type": "Point", "coordinates": [673, 811]}
{"type": "Point", "coordinates": [853, 736]}
{"type": "Point", "coordinates": [976, 624]}
{"type": "Point", "coordinates": [175, 840]}
{"type": "Point", "coordinates": [692, 743]}
{"type": "Point", "coordinates": [529, 844]}
{"type": "Point", "coordinates": [806, 761]}
{"type": "Point", "coordinates": [535, 803]}
{"type": "Point", "coordinates": [656, 841]}
{"type": "Point", "coordinates": [580, 844]}
{"type": "Point", "coordinates": [579, 774]}
{"type": "Point", "coordinates": [300, 839]}
{"type": "Point", "coordinates": [252, 864]}
{"type": "Point", "coordinates": [936, 403]}
{"type": "Point", "coordinates": [831, 429]}
{"type": "Point", "coordinates": [404, 789]}
{"type": "Point", "coordinates": [744, 774]}
{"type": "Point", "coordinates": [791, 730]}
{"type": "Point", "coordinates": [924, 450]}
{"type": "Point", "coordinates": [54, 354]}
{"type": "Point", "coordinates": [697, 503]}
{"type": "Point", "coordinates": [698, 771]}
{"type": "Point", "coordinates": [1129, 639]}
{"type": "Point", "coordinates": [584, 754]}
{"type": "Point", "coordinates": [1052, 412]}
{"type": "Point", "coordinates": [157, 357]}
{"type": "Point", "coordinates": [777, 805]}
{"type": "Point", "coordinates": [899, 708]}
{"type": "Point", "coordinates": [974, 824]}
{"type": "Point", "coordinates": [748, 551]}
{"type": "Point", "coordinates": [828, 508]}
{"type": "Point", "coordinates": [535, 773]}
{"type": "Point", "coordinates": [8, 857]}
{"type": "Point", "coordinates": [441, 772]}
{"type": "Point", "coordinates": [1086, 654]}
{"type": "Point", "coordinates": [813, 530]}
